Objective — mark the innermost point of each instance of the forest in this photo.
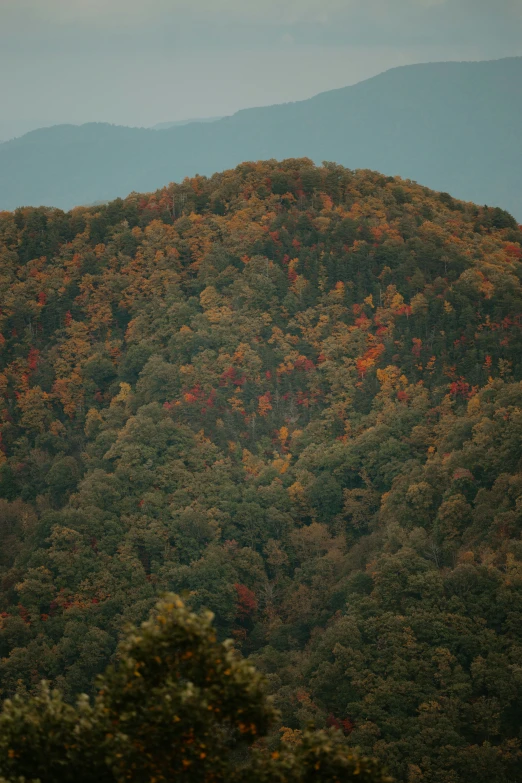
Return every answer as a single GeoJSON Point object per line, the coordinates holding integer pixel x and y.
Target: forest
{"type": "Point", "coordinates": [292, 395]}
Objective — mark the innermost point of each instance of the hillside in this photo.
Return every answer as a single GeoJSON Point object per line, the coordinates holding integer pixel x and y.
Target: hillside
{"type": "Point", "coordinates": [450, 126]}
{"type": "Point", "coordinates": [293, 395]}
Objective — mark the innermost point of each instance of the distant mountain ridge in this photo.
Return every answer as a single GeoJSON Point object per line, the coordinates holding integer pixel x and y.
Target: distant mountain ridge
{"type": "Point", "coordinates": [179, 123]}
{"type": "Point", "coordinates": [451, 126]}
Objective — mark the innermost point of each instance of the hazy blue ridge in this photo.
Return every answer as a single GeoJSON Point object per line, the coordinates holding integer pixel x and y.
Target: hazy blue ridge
{"type": "Point", "coordinates": [178, 123]}
{"type": "Point", "coordinates": [451, 126]}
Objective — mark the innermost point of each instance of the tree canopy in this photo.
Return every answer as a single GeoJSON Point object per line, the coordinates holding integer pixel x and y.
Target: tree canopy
{"type": "Point", "coordinates": [178, 705]}
{"type": "Point", "coordinates": [292, 395]}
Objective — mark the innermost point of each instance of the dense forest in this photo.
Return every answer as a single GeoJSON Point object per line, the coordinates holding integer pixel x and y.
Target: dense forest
{"type": "Point", "coordinates": [292, 395]}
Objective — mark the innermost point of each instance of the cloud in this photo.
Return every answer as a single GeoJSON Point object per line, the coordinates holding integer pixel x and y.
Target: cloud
{"type": "Point", "coordinates": [324, 21]}
{"type": "Point", "coordinates": [50, 27]}
{"type": "Point", "coordinates": [334, 22]}
{"type": "Point", "coordinates": [286, 12]}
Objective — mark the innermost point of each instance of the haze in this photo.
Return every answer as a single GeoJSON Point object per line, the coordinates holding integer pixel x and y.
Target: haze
{"type": "Point", "coordinates": [136, 63]}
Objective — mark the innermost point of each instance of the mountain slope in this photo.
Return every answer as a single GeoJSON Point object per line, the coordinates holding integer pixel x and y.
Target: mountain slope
{"type": "Point", "coordinates": [292, 395]}
{"type": "Point", "coordinates": [451, 126]}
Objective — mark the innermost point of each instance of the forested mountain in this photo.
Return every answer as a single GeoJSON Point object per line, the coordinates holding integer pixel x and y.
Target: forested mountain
{"type": "Point", "coordinates": [292, 395]}
{"type": "Point", "coordinates": [177, 123]}
{"type": "Point", "coordinates": [450, 126]}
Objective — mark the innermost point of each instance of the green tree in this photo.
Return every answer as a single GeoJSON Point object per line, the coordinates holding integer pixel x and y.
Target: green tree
{"type": "Point", "coordinates": [178, 705]}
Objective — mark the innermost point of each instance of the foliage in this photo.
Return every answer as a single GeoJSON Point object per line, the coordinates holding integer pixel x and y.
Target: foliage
{"type": "Point", "coordinates": [292, 395]}
{"type": "Point", "coordinates": [178, 704]}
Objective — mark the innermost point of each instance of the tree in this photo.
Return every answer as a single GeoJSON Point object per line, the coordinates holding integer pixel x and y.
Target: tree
{"type": "Point", "coordinates": [177, 705]}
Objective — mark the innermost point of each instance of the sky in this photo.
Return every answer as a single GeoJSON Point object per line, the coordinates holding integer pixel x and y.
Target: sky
{"type": "Point", "coordinates": [141, 62]}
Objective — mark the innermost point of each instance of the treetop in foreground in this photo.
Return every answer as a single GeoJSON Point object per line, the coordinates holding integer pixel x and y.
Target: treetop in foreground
{"type": "Point", "coordinates": [178, 705]}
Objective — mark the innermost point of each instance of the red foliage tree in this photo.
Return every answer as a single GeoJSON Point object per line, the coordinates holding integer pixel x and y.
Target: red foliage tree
{"type": "Point", "coordinates": [246, 602]}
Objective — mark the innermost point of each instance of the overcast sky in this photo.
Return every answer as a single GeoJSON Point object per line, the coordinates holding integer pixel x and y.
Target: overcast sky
{"type": "Point", "coordinates": [139, 62]}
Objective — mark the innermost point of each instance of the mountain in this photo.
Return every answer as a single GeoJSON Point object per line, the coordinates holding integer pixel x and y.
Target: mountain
{"type": "Point", "coordinates": [10, 128]}
{"type": "Point", "coordinates": [451, 126]}
{"type": "Point", "coordinates": [291, 395]}
{"type": "Point", "coordinates": [178, 123]}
